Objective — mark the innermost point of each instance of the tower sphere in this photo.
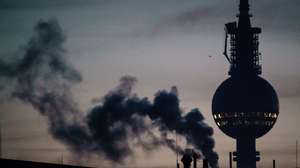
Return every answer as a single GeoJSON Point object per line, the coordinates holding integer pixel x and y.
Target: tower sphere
{"type": "Point", "coordinates": [245, 106]}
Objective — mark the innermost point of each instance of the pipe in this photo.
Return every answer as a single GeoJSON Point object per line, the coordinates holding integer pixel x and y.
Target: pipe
{"type": "Point", "coordinates": [230, 159]}
{"type": "Point", "coordinates": [274, 164]}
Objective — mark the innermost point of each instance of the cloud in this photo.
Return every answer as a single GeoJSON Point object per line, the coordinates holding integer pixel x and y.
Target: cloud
{"type": "Point", "coordinates": [29, 4]}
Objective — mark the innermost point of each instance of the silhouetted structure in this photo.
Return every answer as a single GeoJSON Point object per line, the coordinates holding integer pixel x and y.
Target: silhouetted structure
{"type": "Point", "coordinates": [230, 159]}
{"type": "Point", "coordinates": [10, 163]}
{"type": "Point", "coordinates": [296, 153]}
{"type": "Point", "coordinates": [245, 106]}
{"type": "Point", "coordinates": [190, 156]}
{"type": "Point", "coordinates": [195, 156]}
{"type": "Point", "coordinates": [205, 163]}
{"type": "Point", "coordinates": [186, 160]}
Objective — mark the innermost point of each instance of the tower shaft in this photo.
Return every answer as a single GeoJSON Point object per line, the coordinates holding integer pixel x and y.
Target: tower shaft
{"type": "Point", "coordinates": [246, 152]}
{"type": "Point", "coordinates": [247, 62]}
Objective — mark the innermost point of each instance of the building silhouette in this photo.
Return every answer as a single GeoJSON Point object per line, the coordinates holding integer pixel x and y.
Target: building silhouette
{"type": "Point", "coordinates": [245, 106]}
{"type": "Point", "coordinates": [11, 163]}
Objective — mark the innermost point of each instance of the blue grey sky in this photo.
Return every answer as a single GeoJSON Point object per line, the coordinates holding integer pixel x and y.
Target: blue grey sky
{"type": "Point", "coordinates": [163, 43]}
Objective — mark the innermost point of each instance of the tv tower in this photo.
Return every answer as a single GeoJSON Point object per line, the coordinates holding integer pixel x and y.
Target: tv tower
{"type": "Point", "coordinates": [245, 106]}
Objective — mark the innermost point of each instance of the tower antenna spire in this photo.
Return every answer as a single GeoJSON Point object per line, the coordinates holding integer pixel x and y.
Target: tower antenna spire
{"type": "Point", "coordinates": [242, 40]}
{"type": "Point", "coordinates": [244, 16]}
{"type": "Point", "coordinates": [244, 6]}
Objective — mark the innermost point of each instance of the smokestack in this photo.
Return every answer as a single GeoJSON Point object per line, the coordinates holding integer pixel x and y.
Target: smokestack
{"type": "Point", "coordinates": [274, 164]}
{"type": "Point", "coordinates": [195, 157]}
{"type": "Point", "coordinates": [186, 160]}
{"type": "Point", "coordinates": [195, 161]}
{"type": "Point", "coordinates": [230, 159]}
{"type": "Point", "coordinates": [205, 163]}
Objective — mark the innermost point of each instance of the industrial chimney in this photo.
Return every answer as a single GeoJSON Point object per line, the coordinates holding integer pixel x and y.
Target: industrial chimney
{"type": "Point", "coordinates": [195, 156]}
{"type": "Point", "coordinates": [205, 163]}
{"type": "Point", "coordinates": [186, 160]}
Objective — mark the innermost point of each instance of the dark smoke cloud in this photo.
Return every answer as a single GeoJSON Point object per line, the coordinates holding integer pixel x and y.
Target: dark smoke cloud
{"type": "Point", "coordinates": [42, 77]}
{"type": "Point", "coordinates": [122, 117]}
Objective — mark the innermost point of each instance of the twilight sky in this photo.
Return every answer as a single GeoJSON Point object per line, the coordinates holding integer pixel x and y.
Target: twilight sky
{"type": "Point", "coordinates": [162, 43]}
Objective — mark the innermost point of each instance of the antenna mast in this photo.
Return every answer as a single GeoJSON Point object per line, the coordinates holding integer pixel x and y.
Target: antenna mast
{"type": "Point", "coordinates": [244, 55]}
{"type": "Point", "coordinates": [296, 153]}
{"type": "Point", "coordinates": [177, 164]}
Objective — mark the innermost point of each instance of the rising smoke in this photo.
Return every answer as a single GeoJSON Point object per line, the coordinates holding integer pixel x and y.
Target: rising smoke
{"type": "Point", "coordinates": [41, 77]}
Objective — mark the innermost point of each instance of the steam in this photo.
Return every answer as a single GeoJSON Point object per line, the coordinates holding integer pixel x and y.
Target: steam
{"type": "Point", "coordinates": [43, 78]}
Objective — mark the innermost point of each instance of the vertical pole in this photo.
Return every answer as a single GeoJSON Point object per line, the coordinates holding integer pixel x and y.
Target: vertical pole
{"type": "Point", "coordinates": [0, 140]}
{"type": "Point", "coordinates": [274, 164]}
{"type": "Point", "coordinates": [62, 158]}
{"type": "Point", "coordinates": [296, 153]}
{"type": "Point", "coordinates": [177, 164]}
{"type": "Point", "coordinates": [230, 159]}
{"type": "Point", "coordinates": [246, 152]}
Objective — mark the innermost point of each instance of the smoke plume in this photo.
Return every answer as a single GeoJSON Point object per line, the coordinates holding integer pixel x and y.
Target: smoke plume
{"type": "Point", "coordinates": [42, 77]}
